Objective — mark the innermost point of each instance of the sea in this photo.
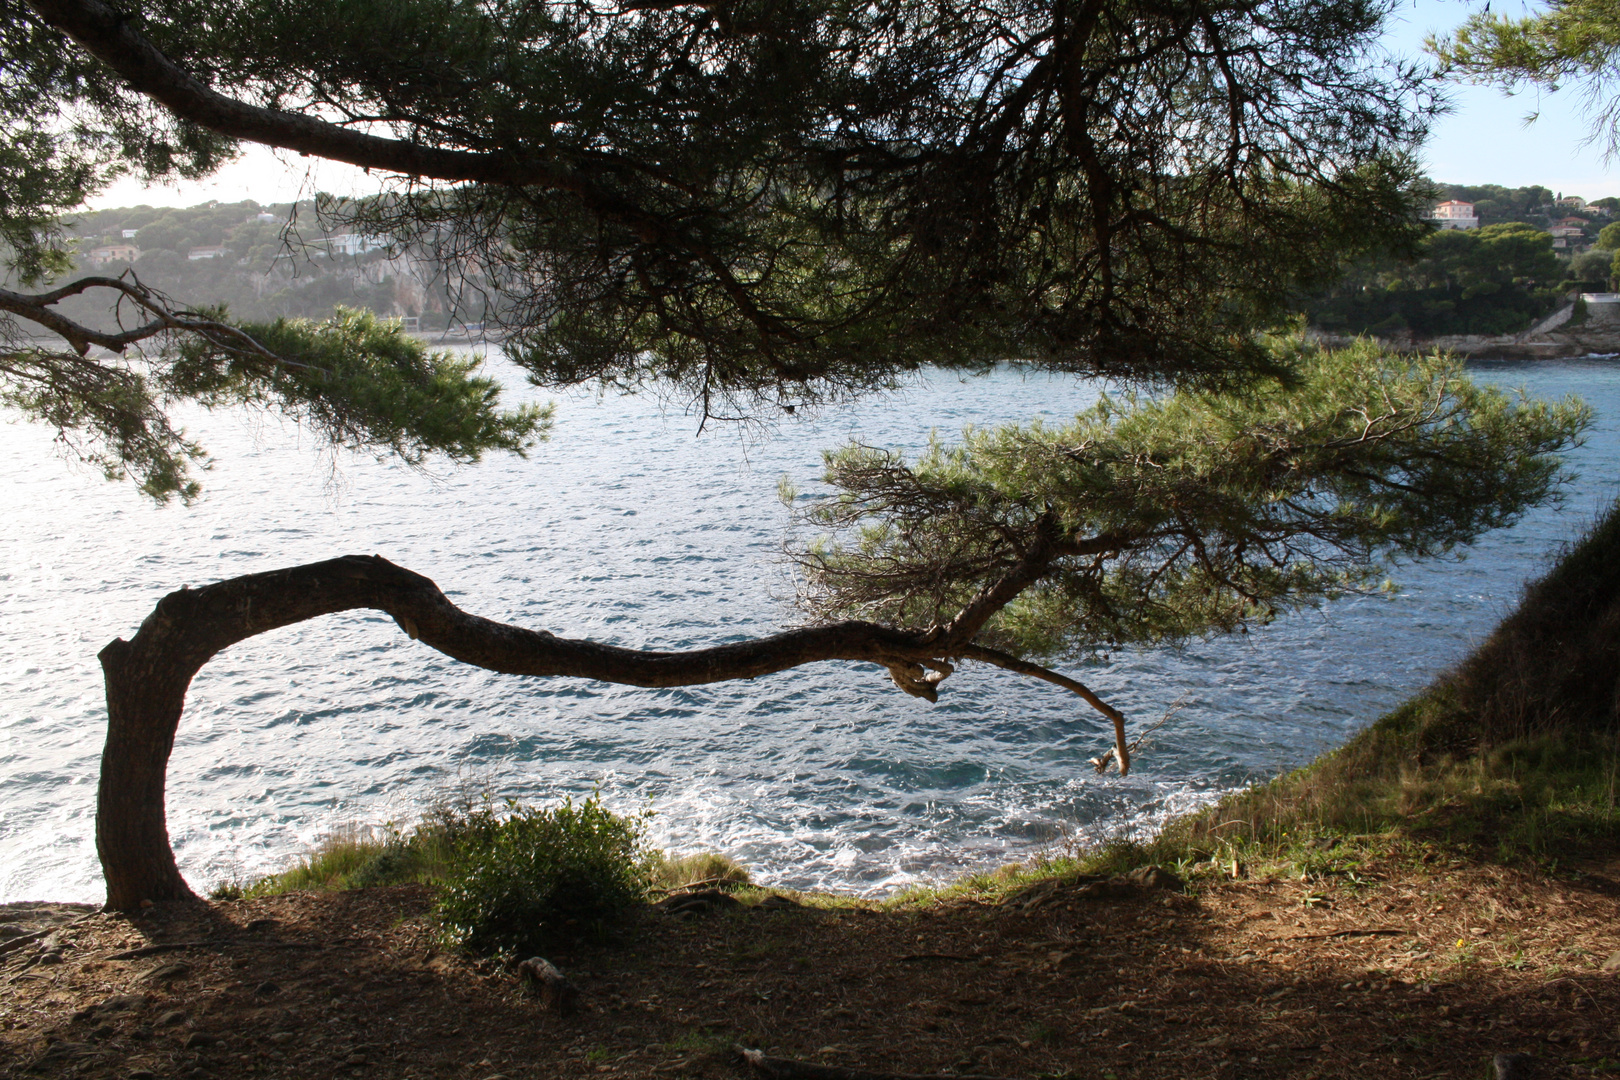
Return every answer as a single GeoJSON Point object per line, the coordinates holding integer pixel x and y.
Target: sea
{"type": "Point", "coordinates": [633, 526]}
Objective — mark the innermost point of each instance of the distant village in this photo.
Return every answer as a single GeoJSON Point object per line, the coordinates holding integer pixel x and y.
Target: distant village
{"type": "Point", "coordinates": [269, 262]}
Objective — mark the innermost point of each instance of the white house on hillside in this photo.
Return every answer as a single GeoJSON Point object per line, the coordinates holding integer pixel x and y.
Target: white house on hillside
{"type": "Point", "coordinates": [354, 244]}
{"type": "Point", "coordinates": [1453, 214]}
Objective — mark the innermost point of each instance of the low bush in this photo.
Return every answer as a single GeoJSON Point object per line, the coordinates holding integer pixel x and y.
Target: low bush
{"type": "Point", "coordinates": [529, 879]}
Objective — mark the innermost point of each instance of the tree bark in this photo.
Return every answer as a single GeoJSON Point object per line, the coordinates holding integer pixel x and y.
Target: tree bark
{"type": "Point", "coordinates": [148, 675]}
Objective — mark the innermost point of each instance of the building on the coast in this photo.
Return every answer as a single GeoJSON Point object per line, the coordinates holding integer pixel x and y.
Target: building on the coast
{"type": "Point", "coordinates": [1602, 308]}
{"type": "Point", "coordinates": [1569, 234]}
{"type": "Point", "coordinates": [1454, 214]}
{"type": "Point", "coordinates": [1571, 202]}
{"type": "Point", "coordinates": [114, 253]}
{"type": "Point", "coordinates": [212, 251]}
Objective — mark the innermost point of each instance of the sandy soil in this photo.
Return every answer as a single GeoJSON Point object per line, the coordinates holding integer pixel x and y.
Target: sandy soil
{"type": "Point", "coordinates": [1398, 971]}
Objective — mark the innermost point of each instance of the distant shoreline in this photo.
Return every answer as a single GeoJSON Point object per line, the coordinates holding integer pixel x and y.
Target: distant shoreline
{"type": "Point", "coordinates": [1555, 345]}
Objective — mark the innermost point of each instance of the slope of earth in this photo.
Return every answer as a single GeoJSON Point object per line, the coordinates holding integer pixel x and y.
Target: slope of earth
{"type": "Point", "coordinates": [1406, 968]}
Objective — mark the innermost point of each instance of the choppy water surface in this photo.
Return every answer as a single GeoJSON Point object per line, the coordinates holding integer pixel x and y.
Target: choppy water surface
{"type": "Point", "coordinates": [627, 528]}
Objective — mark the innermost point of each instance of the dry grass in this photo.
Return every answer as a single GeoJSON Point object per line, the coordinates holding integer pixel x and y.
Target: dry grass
{"type": "Point", "coordinates": [702, 869]}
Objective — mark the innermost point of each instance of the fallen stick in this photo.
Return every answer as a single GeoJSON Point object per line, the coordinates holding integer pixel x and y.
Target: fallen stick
{"type": "Point", "coordinates": [788, 1069]}
{"type": "Point", "coordinates": [1348, 933]}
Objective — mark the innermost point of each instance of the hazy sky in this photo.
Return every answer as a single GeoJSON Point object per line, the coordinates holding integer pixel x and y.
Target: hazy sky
{"type": "Point", "coordinates": [1485, 140]}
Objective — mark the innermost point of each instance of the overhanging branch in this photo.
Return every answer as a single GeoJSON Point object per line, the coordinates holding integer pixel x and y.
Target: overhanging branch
{"type": "Point", "coordinates": [37, 308]}
{"type": "Point", "coordinates": [108, 35]}
{"type": "Point", "coordinates": [147, 677]}
{"type": "Point", "coordinates": [1008, 662]}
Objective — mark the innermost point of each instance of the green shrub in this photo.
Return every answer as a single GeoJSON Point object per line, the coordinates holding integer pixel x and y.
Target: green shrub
{"type": "Point", "coordinates": [536, 878]}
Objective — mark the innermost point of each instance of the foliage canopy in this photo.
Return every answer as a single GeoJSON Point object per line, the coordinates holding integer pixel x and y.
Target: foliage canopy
{"type": "Point", "coordinates": [762, 205]}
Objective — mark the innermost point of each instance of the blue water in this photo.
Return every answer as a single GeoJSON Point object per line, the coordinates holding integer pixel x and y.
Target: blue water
{"type": "Point", "coordinates": [628, 527]}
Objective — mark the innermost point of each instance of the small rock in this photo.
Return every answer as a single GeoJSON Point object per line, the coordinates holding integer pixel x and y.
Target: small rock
{"type": "Point", "coordinates": [1612, 963]}
{"type": "Point", "coordinates": [355, 1059]}
{"type": "Point", "coordinates": [117, 1003]}
{"type": "Point", "coordinates": [1155, 877]}
{"type": "Point", "coordinates": [147, 905]}
{"type": "Point", "coordinates": [140, 1074]}
{"type": "Point", "coordinates": [261, 924]}
{"type": "Point", "coordinates": [774, 902]}
{"type": "Point", "coordinates": [265, 989]}
{"type": "Point", "coordinates": [199, 1039]}
{"type": "Point", "coordinates": [697, 903]}
{"type": "Point", "coordinates": [165, 972]}
{"type": "Point", "coordinates": [50, 958]}
{"type": "Point", "coordinates": [173, 1016]}
{"type": "Point", "coordinates": [1515, 1066]}
{"type": "Point", "coordinates": [280, 1037]}
{"type": "Point", "coordinates": [120, 1003]}
{"type": "Point", "coordinates": [557, 994]}
{"type": "Point", "coordinates": [1032, 896]}
{"type": "Point", "coordinates": [58, 1052]}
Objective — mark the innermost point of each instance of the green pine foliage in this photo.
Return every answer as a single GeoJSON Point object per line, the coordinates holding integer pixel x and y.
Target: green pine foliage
{"type": "Point", "coordinates": [1567, 43]}
{"type": "Point", "coordinates": [354, 380]}
{"type": "Point", "coordinates": [1153, 520]}
{"type": "Point", "coordinates": [806, 200]}
{"type": "Point", "coordinates": [361, 382]}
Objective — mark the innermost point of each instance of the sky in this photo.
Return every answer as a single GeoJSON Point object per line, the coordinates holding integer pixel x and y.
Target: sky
{"type": "Point", "coordinates": [1484, 140]}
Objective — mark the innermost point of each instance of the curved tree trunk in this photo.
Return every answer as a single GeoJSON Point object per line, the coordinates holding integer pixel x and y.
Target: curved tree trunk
{"type": "Point", "coordinates": [148, 675]}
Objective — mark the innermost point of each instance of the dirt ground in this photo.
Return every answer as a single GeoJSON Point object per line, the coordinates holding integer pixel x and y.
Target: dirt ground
{"type": "Point", "coordinates": [1400, 971]}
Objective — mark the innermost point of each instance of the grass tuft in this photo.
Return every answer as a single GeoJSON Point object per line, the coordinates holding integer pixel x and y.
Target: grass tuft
{"type": "Point", "coordinates": [706, 869]}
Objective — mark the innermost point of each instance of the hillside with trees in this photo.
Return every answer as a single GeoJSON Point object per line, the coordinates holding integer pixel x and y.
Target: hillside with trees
{"type": "Point", "coordinates": [268, 262]}
{"type": "Point", "coordinates": [264, 262]}
{"type": "Point", "coordinates": [1497, 279]}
